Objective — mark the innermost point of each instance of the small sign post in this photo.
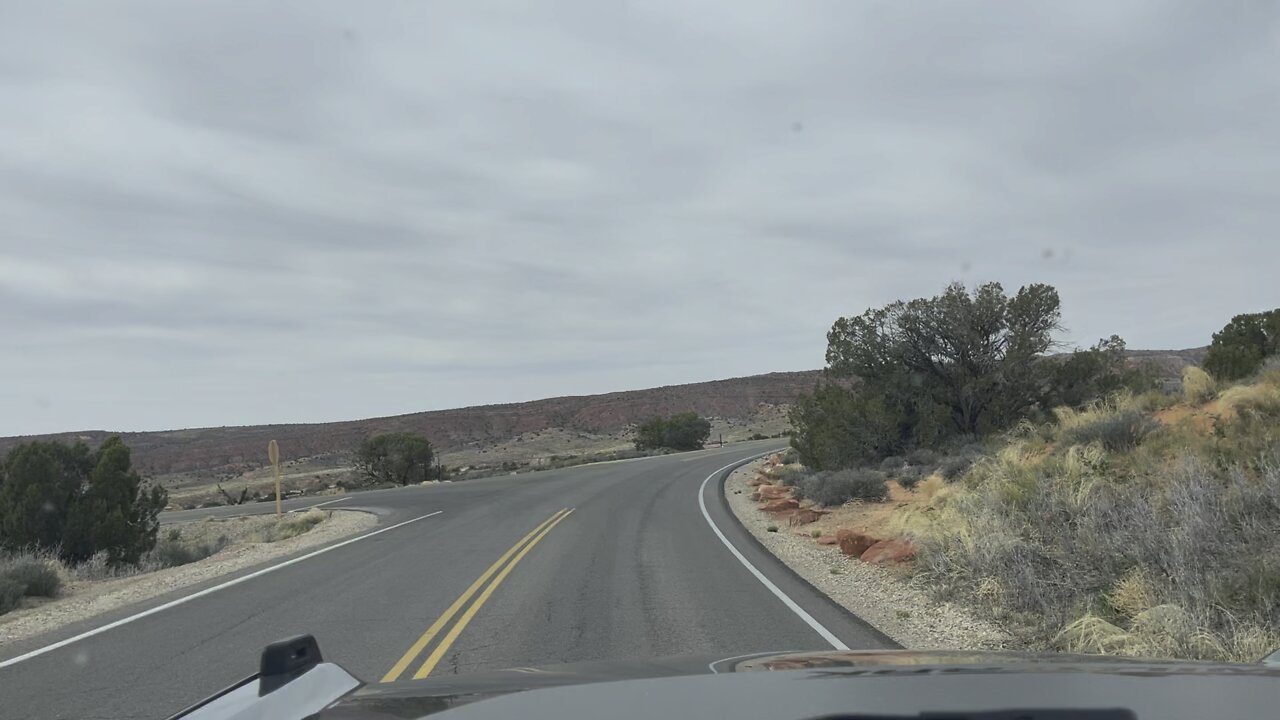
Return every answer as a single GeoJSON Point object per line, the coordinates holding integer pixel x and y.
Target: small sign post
{"type": "Point", "coordinates": [273, 453]}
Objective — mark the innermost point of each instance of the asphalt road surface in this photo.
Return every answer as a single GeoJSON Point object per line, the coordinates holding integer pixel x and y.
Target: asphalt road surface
{"type": "Point", "coordinates": [622, 560]}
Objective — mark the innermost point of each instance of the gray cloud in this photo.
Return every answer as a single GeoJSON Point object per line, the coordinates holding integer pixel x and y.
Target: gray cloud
{"type": "Point", "coordinates": [226, 213]}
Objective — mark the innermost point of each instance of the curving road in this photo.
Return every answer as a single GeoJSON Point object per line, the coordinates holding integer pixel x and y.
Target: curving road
{"type": "Point", "coordinates": [622, 560]}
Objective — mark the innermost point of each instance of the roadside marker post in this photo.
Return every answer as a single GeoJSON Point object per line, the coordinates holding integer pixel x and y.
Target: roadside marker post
{"type": "Point", "coordinates": [273, 454]}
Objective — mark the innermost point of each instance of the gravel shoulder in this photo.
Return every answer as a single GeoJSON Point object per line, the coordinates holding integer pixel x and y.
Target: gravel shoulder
{"type": "Point", "coordinates": [83, 599]}
{"type": "Point", "coordinates": [897, 605]}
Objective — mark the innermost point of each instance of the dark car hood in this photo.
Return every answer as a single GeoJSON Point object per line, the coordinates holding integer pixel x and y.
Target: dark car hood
{"type": "Point", "coordinates": [416, 698]}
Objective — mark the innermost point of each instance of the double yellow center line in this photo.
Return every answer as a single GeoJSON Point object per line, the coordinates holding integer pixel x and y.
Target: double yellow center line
{"type": "Point", "coordinates": [503, 568]}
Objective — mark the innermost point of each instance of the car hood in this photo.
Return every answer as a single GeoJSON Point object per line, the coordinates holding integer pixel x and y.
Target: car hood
{"type": "Point", "coordinates": [418, 698]}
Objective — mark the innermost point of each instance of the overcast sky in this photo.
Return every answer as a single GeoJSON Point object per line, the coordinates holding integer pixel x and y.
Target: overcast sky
{"type": "Point", "coordinates": [248, 212]}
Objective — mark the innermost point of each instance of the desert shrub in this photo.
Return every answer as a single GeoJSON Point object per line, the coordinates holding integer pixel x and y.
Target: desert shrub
{"type": "Point", "coordinates": [952, 467]}
{"type": "Point", "coordinates": [909, 477]}
{"type": "Point", "coordinates": [922, 456]}
{"type": "Point", "coordinates": [1072, 559]}
{"type": "Point", "coordinates": [1121, 431]}
{"type": "Point", "coordinates": [892, 463]}
{"type": "Point", "coordinates": [172, 552]}
{"type": "Point", "coordinates": [28, 574]}
{"type": "Point", "coordinates": [293, 525]}
{"type": "Point", "coordinates": [787, 475]}
{"type": "Point", "coordinates": [1260, 401]}
{"type": "Point", "coordinates": [842, 486]}
{"type": "Point", "coordinates": [38, 575]}
{"type": "Point", "coordinates": [790, 456]}
{"type": "Point", "coordinates": [1197, 385]}
{"type": "Point", "coordinates": [11, 594]}
{"type": "Point", "coordinates": [1152, 400]}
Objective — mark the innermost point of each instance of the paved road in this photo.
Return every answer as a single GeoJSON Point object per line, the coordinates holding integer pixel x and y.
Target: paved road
{"type": "Point", "coordinates": [618, 561]}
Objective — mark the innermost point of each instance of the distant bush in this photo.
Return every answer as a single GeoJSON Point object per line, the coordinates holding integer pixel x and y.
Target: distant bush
{"type": "Point", "coordinates": [952, 467]}
{"type": "Point", "coordinates": [397, 457]}
{"type": "Point", "coordinates": [841, 486]}
{"type": "Point", "coordinates": [892, 463]}
{"type": "Point", "coordinates": [790, 456]}
{"type": "Point", "coordinates": [1121, 431]}
{"type": "Point", "coordinates": [682, 431]}
{"type": "Point", "coordinates": [909, 477]}
{"type": "Point", "coordinates": [922, 456]}
{"type": "Point", "coordinates": [1197, 385]}
{"type": "Point", "coordinates": [758, 436]}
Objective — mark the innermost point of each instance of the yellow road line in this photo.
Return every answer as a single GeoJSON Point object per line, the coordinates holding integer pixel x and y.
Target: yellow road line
{"type": "Point", "coordinates": [396, 670]}
{"type": "Point", "coordinates": [457, 628]}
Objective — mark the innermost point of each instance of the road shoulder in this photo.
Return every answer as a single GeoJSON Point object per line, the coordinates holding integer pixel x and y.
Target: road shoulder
{"type": "Point", "coordinates": [87, 600]}
{"type": "Point", "coordinates": [899, 607]}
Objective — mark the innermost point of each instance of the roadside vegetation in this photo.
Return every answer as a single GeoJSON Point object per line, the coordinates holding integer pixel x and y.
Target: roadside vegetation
{"type": "Point", "coordinates": [682, 431]}
{"type": "Point", "coordinates": [68, 513]}
{"type": "Point", "coordinates": [1068, 496]}
{"type": "Point", "coordinates": [77, 503]}
{"type": "Point", "coordinates": [398, 458]}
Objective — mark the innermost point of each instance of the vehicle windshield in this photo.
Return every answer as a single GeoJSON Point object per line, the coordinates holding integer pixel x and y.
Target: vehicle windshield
{"type": "Point", "coordinates": [471, 336]}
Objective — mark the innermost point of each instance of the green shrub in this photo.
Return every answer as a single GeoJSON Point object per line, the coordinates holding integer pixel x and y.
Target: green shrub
{"type": "Point", "coordinates": [772, 528]}
{"type": "Point", "coordinates": [66, 499]}
{"type": "Point", "coordinates": [681, 431]}
{"type": "Point", "coordinates": [1121, 431]}
{"type": "Point", "coordinates": [842, 486]}
{"type": "Point", "coordinates": [1239, 349]}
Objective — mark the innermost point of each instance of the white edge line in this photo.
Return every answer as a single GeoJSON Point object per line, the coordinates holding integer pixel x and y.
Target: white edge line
{"type": "Point", "coordinates": [207, 591]}
{"type": "Point", "coordinates": [326, 502]}
{"type": "Point", "coordinates": [786, 600]}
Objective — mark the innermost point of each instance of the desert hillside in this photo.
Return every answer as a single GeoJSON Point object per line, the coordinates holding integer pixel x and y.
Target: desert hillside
{"type": "Point", "coordinates": [519, 432]}
{"type": "Point", "coordinates": [452, 431]}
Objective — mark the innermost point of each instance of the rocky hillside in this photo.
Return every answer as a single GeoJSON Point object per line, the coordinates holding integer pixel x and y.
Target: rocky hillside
{"type": "Point", "coordinates": [178, 451]}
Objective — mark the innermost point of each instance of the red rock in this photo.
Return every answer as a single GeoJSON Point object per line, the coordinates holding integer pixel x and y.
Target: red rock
{"type": "Point", "coordinates": [827, 540]}
{"type": "Point", "coordinates": [806, 516]}
{"type": "Point", "coordinates": [889, 551]}
{"type": "Point", "coordinates": [757, 481]}
{"type": "Point", "coordinates": [773, 492]}
{"type": "Point", "coordinates": [781, 505]}
{"type": "Point", "coordinates": [853, 543]}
